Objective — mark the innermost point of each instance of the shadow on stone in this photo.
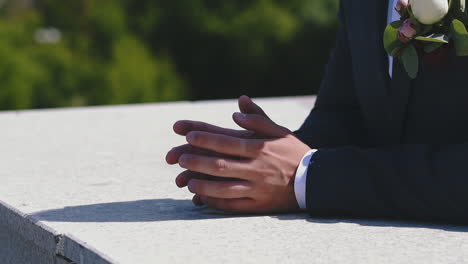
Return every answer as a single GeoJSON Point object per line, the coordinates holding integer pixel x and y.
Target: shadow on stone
{"type": "Point", "coordinates": [173, 210]}
{"type": "Point", "coordinates": [131, 211]}
{"type": "Point", "coordinates": [379, 223]}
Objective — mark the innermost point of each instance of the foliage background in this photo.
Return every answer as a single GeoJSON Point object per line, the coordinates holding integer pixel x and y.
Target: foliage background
{"type": "Point", "coordinates": [56, 53]}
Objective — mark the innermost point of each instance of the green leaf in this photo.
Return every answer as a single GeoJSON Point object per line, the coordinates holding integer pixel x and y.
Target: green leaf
{"type": "Point", "coordinates": [460, 37]}
{"type": "Point", "coordinates": [410, 60]}
{"type": "Point", "coordinates": [396, 52]}
{"type": "Point", "coordinates": [458, 28]}
{"type": "Point", "coordinates": [432, 47]}
{"type": "Point", "coordinates": [391, 42]}
{"type": "Point", "coordinates": [438, 37]}
{"type": "Point", "coordinates": [404, 14]}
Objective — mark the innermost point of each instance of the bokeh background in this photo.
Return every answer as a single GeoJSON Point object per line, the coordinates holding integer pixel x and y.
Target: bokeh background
{"type": "Point", "coordinates": [57, 53]}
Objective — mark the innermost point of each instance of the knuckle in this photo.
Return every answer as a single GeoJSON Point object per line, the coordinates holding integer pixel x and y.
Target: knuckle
{"type": "Point", "coordinates": [245, 146]}
{"type": "Point", "coordinates": [249, 146]}
{"type": "Point", "coordinates": [266, 174]}
{"type": "Point", "coordinates": [253, 147]}
{"type": "Point", "coordinates": [220, 165]}
{"type": "Point", "coordinates": [219, 142]}
{"type": "Point", "coordinates": [258, 146]}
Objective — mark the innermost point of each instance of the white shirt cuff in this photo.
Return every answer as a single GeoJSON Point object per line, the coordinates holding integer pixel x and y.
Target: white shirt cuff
{"type": "Point", "coordinates": [301, 179]}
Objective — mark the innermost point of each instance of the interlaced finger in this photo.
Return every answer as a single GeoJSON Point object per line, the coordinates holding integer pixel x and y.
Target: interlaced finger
{"type": "Point", "coordinates": [260, 125]}
{"type": "Point", "coordinates": [220, 189]}
{"type": "Point", "coordinates": [221, 167]}
{"type": "Point", "coordinates": [247, 106]}
{"type": "Point", "coordinates": [173, 155]}
{"type": "Point", "coordinates": [233, 146]}
{"type": "Point", "coordinates": [184, 177]}
{"type": "Point", "coordinates": [241, 205]}
{"type": "Point", "coordinates": [183, 127]}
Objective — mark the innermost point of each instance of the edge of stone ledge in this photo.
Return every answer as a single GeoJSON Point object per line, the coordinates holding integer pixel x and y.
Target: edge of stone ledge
{"type": "Point", "coordinates": [80, 251]}
{"type": "Point", "coordinates": [44, 237]}
{"type": "Point", "coordinates": [26, 227]}
{"type": "Point", "coordinates": [302, 98]}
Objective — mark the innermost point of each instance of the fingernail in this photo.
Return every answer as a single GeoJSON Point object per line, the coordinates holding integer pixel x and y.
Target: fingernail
{"type": "Point", "coordinates": [181, 127]}
{"type": "Point", "coordinates": [169, 157]}
{"type": "Point", "coordinates": [178, 182]}
{"type": "Point", "coordinates": [196, 201]}
{"type": "Point", "coordinates": [240, 116]}
{"type": "Point", "coordinates": [177, 126]}
{"type": "Point", "coordinates": [191, 186]}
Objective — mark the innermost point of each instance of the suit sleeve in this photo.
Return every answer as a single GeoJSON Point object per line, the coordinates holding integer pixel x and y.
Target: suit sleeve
{"type": "Point", "coordinates": [336, 118]}
{"type": "Point", "coordinates": [417, 182]}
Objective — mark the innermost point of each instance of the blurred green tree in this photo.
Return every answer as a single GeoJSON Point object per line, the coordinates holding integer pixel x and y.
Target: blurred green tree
{"type": "Point", "coordinates": [124, 51]}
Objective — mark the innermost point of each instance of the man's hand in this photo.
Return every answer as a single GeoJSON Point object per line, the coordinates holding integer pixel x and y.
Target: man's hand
{"type": "Point", "coordinates": [184, 127]}
{"type": "Point", "coordinates": [259, 163]}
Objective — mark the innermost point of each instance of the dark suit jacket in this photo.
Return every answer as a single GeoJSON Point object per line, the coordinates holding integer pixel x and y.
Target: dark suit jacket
{"type": "Point", "coordinates": [391, 148]}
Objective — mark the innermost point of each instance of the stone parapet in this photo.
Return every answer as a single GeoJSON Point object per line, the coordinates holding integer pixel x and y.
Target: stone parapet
{"type": "Point", "coordinates": [90, 185]}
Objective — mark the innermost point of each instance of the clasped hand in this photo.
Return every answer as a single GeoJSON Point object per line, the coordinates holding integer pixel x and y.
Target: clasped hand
{"type": "Point", "coordinates": [242, 171]}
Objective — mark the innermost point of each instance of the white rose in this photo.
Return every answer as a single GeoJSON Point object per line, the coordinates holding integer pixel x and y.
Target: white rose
{"type": "Point", "coordinates": [429, 11]}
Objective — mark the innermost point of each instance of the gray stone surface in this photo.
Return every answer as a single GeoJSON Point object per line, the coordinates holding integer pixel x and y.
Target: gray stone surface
{"type": "Point", "coordinates": [15, 249]}
{"type": "Point", "coordinates": [90, 185]}
{"type": "Point", "coordinates": [27, 228]}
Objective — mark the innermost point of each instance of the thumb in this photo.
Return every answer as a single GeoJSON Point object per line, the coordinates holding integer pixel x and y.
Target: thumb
{"type": "Point", "coordinates": [247, 106]}
{"type": "Point", "coordinates": [260, 124]}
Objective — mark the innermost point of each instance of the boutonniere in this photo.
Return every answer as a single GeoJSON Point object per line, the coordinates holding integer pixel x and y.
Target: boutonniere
{"type": "Point", "coordinates": [426, 27]}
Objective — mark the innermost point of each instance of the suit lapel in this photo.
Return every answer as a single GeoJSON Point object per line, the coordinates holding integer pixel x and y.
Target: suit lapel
{"type": "Point", "coordinates": [370, 66]}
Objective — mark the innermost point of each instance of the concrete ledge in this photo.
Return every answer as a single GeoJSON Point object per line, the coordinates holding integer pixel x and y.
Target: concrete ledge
{"type": "Point", "coordinates": [25, 240]}
{"type": "Point", "coordinates": [90, 185]}
{"type": "Point", "coordinates": [80, 252]}
{"type": "Point", "coordinates": [14, 249]}
{"type": "Point", "coordinates": [29, 229]}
